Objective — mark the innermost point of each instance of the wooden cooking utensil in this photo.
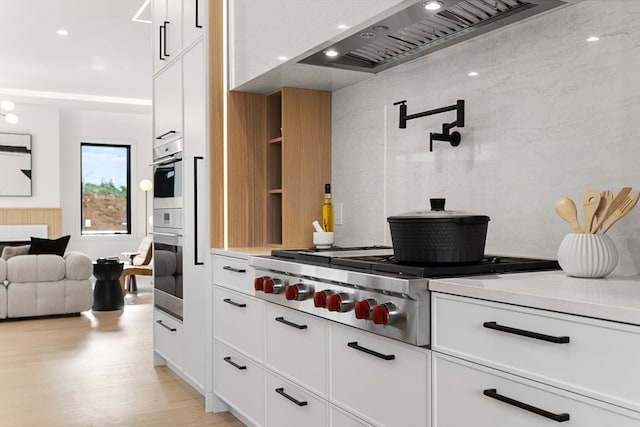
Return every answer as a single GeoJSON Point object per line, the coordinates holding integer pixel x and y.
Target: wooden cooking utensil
{"type": "Point", "coordinates": [605, 202]}
{"type": "Point", "coordinates": [567, 211]}
{"type": "Point", "coordinates": [590, 204]}
{"type": "Point", "coordinates": [623, 209]}
{"type": "Point", "coordinates": [619, 198]}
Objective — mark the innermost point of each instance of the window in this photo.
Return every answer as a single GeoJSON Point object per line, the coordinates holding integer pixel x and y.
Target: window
{"type": "Point", "coordinates": [106, 180]}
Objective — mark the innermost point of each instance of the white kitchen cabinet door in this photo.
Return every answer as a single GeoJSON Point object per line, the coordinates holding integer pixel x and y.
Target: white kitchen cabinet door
{"type": "Point", "coordinates": [291, 406]}
{"type": "Point", "coordinates": [195, 215]}
{"type": "Point", "coordinates": [238, 321]}
{"type": "Point", "coordinates": [587, 356]}
{"type": "Point", "coordinates": [167, 339]}
{"type": "Point", "coordinates": [173, 25]}
{"type": "Point", "coordinates": [297, 347]}
{"type": "Point", "coordinates": [195, 18]}
{"type": "Point", "coordinates": [159, 15]}
{"type": "Point", "coordinates": [239, 382]}
{"type": "Point", "coordinates": [382, 381]}
{"type": "Point", "coordinates": [167, 104]}
{"type": "Point", "coordinates": [467, 394]}
{"type": "Point", "coordinates": [234, 273]}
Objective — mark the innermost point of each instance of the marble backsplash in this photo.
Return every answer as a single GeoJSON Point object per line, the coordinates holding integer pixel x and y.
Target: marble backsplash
{"type": "Point", "coordinates": [548, 115]}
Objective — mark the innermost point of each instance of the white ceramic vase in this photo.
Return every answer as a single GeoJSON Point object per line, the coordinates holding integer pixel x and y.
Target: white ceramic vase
{"type": "Point", "coordinates": [587, 255]}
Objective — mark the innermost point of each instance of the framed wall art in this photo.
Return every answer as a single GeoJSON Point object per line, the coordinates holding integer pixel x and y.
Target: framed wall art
{"type": "Point", "coordinates": [15, 164]}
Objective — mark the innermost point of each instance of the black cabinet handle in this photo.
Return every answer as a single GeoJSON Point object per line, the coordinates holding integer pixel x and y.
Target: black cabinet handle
{"type": "Point", "coordinates": [237, 304]}
{"type": "Point", "coordinates": [493, 393]}
{"type": "Point", "coordinates": [235, 270]}
{"type": "Point", "coordinates": [196, 261]}
{"type": "Point", "coordinates": [159, 322]}
{"type": "Point", "coordinates": [161, 27]}
{"type": "Point", "coordinates": [234, 364]}
{"type": "Point", "coordinates": [197, 16]}
{"type": "Point", "coordinates": [286, 322]}
{"type": "Point", "coordinates": [166, 134]}
{"type": "Point", "coordinates": [164, 50]}
{"type": "Point", "coordinates": [524, 333]}
{"type": "Point", "coordinates": [281, 392]}
{"type": "Point", "coordinates": [355, 345]}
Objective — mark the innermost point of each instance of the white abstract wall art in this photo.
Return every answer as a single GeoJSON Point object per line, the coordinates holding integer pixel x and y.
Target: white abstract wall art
{"type": "Point", "coordinates": [15, 164]}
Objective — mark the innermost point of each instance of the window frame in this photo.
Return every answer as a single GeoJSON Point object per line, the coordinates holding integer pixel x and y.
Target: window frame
{"type": "Point", "coordinates": [128, 149]}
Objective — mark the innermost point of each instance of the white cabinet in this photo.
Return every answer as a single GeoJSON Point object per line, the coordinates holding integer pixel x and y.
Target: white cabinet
{"type": "Point", "coordinates": [306, 361]}
{"type": "Point", "coordinates": [167, 104]}
{"type": "Point", "coordinates": [554, 348]}
{"type": "Point", "coordinates": [194, 20]}
{"type": "Point", "coordinates": [339, 418]}
{"type": "Point", "coordinates": [168, 339]}
{"type": "Point", "coordinates": [238, 321]}
{"type": "Point", "coordinates": [240, 382]}
{"type": "Point", "coordinates": [233, 273]}
{"type": "Point", "coordinates": [166, 32]}
{"type": "Point", "coordinates": [381, 381]}
{"type": "Point", "coordinates": [467, 394]}
{"type": "Point", "coordinates": [291, 406]}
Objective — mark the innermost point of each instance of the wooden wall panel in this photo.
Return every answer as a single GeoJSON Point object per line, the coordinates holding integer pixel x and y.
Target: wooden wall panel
{"type": "Point", "coordinates": [246, 149]}
{"type": "Point", "coordinates": [21, 216]}
{"type": "Point", "coordinates": [216, 122]}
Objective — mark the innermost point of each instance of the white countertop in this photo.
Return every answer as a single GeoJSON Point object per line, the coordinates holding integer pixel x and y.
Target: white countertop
{"type": "Point", "coordinates": [615, 298]}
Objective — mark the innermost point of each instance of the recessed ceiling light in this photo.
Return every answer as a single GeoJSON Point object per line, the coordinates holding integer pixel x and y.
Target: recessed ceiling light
{"type": "Point", "coordinates": [343, 27]}
{"type": "Point", "coordinates": [7, 105]}
{"type": "Point", "coordinates": [331, 53]}
{"type": "Point", "coordinates": [432, 5]}
{"type": "Point", "coordinates": [380, 28]}
{"type": "Point", "coordinates": [593, 39]}
{"type": "Point", "coordinates": [282, 58]}
{"type": "Point", "coordinates": [472, 74]}
{"type": "Point", "coordinates": [367, 34]}
{"type": "Point", "coordinates": [62, 32]}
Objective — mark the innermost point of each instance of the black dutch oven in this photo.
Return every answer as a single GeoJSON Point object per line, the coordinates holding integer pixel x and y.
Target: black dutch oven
{"type": "Point", "coordinates": [438, 236]}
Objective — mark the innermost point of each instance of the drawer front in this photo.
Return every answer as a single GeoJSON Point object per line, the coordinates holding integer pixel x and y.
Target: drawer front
{"type": "Point", "coordinates": [466, 394]}
{"type": "Point", "coordinates": [239, 382]}
{"type": "Point", "coordinates": [291, 406]}
{"type": "Point", "coordinates": [340, 418]}
{"type": "Point", "coordinates": [380, 387]}
{"type": "Point", "coordinates": [167, 338]}
{"type": "Point", "coordinates": [234, 273]}
{"type": "Point", "coordinates": [596, 358]}
{"type": "Point", "coordinates": [238, 321]}
{"type": "Point", "coordinates": [297, 347]}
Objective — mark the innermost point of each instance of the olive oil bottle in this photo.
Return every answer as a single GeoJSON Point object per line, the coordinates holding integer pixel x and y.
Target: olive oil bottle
{"type": "Point", "coordinates": [327, 209]}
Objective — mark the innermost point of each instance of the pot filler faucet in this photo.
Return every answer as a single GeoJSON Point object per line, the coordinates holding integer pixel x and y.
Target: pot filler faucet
{"type": "Point", "coordinates": [453, 138]}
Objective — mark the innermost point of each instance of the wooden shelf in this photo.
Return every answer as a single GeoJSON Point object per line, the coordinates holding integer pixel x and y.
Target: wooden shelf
{"type": "Point", "coordinates": [276, 191]}
{"type": "Point", "coordinates": [275, 140]}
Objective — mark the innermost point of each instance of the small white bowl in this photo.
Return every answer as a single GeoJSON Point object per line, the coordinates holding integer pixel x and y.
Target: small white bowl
{"type": "Point", "coordinates": [322, 240]}
{"type": "Point", "coordinates": [587, 255]}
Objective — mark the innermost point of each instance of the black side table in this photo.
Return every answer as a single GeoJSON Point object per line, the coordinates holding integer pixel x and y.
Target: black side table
{"type": "Point", "coordinates": [107, 293]}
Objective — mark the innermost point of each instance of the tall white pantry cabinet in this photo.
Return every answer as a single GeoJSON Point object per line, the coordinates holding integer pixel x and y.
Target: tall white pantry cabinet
{"type": "Point", "coordinates": [180, 93]}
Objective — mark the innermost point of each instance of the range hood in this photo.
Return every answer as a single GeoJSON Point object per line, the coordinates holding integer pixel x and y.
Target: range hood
{"type": "Point", "coordinates": [415, 31]}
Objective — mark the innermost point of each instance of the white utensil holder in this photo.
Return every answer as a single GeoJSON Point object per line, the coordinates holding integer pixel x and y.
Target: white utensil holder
{"type": "Point", "coordinates": [587, 255]}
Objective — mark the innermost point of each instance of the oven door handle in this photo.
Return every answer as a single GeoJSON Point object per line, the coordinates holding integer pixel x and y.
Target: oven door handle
{"type": "Point", "coordinates": [167, 160]}
{"type": "Point", "coordinates": [158, 233]}
{"type": "Point", "coordinates": [196, 260]}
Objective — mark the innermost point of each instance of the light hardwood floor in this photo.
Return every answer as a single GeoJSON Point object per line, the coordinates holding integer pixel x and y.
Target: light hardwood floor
{"type": "Point", "coordinates": [94, 370]}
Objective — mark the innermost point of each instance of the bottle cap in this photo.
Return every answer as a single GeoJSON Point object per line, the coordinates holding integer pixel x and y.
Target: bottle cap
{"type": "Point", "coordinates": [327, 188]}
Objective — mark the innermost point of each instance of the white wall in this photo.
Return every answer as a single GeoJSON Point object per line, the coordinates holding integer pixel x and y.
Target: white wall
{"type": "Point", "coordinates": [549, 115]}
{"type": "Point", "coordinates": [113, 128]}
{"type": "Point", "coordinates": [42, 123]}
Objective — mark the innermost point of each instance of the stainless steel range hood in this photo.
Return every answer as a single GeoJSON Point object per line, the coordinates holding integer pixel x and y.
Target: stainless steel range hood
{"type": "Point", "coordinates": [415, 31]}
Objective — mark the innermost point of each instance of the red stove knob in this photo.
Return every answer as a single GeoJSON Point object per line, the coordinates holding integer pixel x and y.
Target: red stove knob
{"type": "Point", "coordinates": [273, 286]}
{"type": "Point", "coordinates": [258, 283]}
{"type": "Point", "coordinates": [298, 292]}
{"type": "Point", "coordinates": [385, 314]}
{"type": "Point", "coordinates": [320, 298]}
{"type": "Point", "coordinates": [340, 302]}
{"type": "Point", "coordinates": [363, 308]}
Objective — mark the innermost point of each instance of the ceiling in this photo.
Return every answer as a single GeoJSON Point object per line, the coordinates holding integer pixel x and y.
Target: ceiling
{"type": "Point", "coordinates": [104, 61]}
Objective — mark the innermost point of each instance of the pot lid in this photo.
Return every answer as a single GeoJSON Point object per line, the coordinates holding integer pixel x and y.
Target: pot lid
{"type": "Point", "coordinates": [440, 216]}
